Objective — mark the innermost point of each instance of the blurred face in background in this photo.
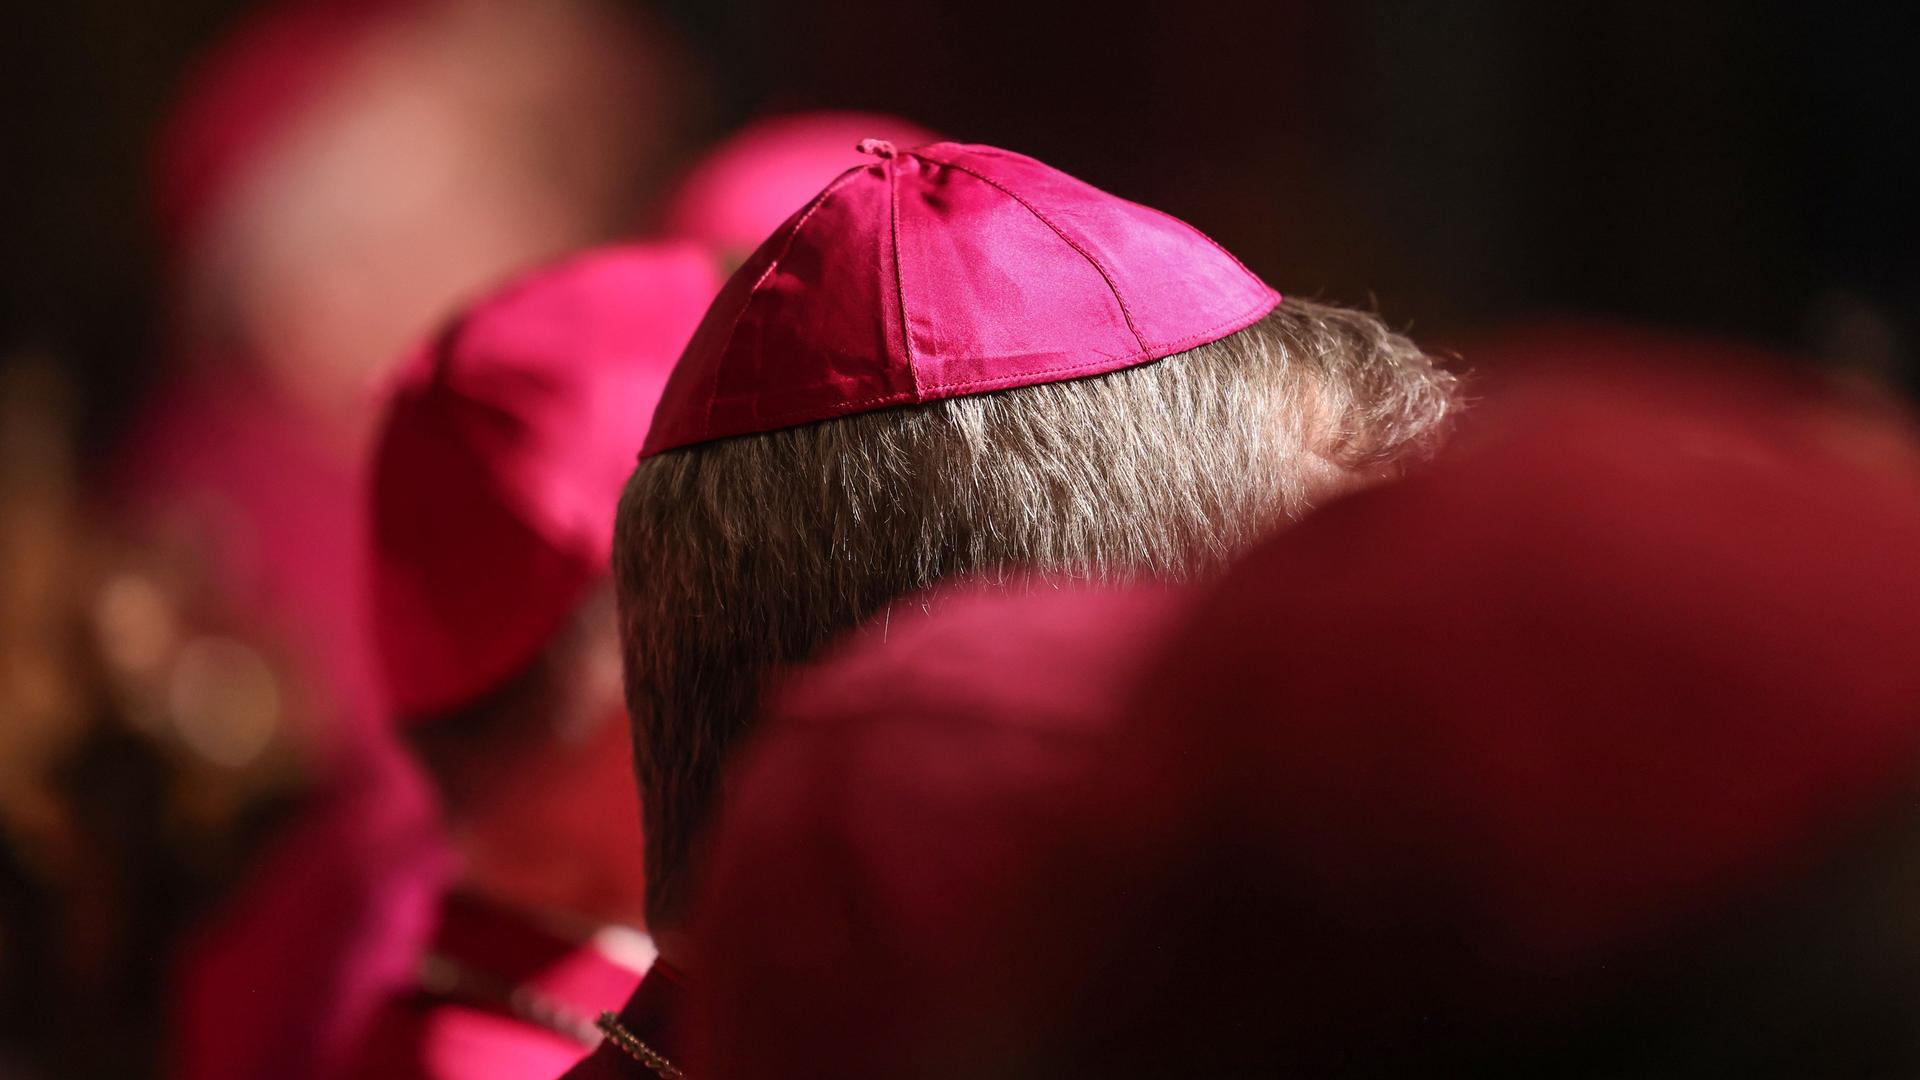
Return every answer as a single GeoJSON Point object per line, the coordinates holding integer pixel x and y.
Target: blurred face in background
{"type": "Point", "coordinates": [537, 780]}
{"type": "Point", "coordinates": [458, 143]}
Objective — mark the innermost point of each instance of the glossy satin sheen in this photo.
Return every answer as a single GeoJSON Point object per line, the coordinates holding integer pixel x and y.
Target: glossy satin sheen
{"type": "Point", "coordinates": [940, 272]}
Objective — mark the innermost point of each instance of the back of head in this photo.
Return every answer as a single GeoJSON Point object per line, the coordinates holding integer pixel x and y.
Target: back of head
{"type": "Point", "coordinates": [958, 362]}
{"type": "Point", "coordinates": [501, 455]}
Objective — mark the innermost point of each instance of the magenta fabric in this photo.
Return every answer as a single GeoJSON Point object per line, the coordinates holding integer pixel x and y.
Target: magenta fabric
{"type": "Point", "coordinates": [247, 93]}
{"type": "Point", "coordinates": [244, 475]}
{"type": "Point", "coordinates": [280, 979]}
{"type": "Point", "coordinates": [504, 449]}
{"type": "Point", "coordinates": [427, 1034]}
{"type": "Point", "coordinates": [940, 272]}
{"type": "Point", "coordinates": [283, 979]}
{"type": "Point", "coordinates": [885, 894]}
{"type": "Point", "coordinates": [661, 1014]}
{"type": "Point", "coordinates": [1499, 738]}
{"type": "Point", "coordinates": [750, 184]}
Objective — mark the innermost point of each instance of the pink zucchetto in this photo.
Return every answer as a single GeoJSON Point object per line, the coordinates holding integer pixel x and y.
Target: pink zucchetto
{"type": "Point", "coordinates": [940, 272]}
{"type": "Point", "coordinates": [505, 445]}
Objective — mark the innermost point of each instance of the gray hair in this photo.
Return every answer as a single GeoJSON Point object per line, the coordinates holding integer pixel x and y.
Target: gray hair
{"type": "Point", "coordinates": [735, 557]}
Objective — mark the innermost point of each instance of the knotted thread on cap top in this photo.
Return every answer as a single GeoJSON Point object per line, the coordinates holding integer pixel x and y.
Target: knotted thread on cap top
{"type": "Point", "coordinates": [879, 148]}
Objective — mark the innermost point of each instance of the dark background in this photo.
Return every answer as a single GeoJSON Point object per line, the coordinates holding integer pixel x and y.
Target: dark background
{"type": "Point", "coordinates": [1743, 168]}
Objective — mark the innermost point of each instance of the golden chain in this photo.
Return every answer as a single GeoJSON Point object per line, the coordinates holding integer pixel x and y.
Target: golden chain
{"type": "Point", "coordinates": [630, 1044]}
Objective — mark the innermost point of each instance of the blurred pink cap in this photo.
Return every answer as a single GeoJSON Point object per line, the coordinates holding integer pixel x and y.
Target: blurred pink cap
{"type": "Point", "coordinates": [505, 447]}
{"type": "Point", "coordinates": [737, 195]}
{"type": "Point", "coordinates": [940, 272]}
